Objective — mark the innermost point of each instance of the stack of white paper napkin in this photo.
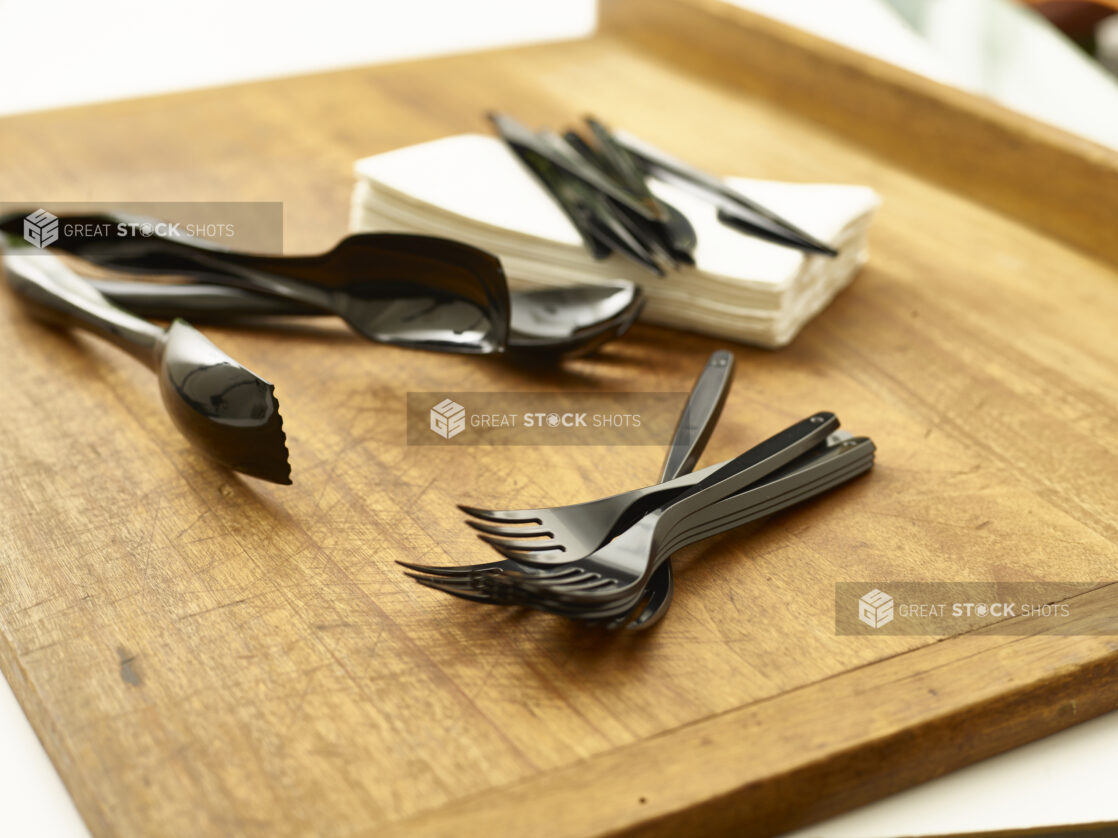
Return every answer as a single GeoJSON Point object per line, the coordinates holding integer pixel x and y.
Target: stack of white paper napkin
{"type": "Point", "coordinates": [473, 189]}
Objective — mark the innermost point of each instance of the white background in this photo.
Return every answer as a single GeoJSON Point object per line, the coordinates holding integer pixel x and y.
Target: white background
{"type": "Point", "coordinates": [64, 52]}
{"type": "Point", "coordinates": [49, 59]}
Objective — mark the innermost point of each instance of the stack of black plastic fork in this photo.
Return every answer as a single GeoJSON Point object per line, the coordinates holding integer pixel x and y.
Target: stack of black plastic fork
{"type": "Point", "coordinates": [608, 561]}
{"type": "Point", "coordinates": [408, 290]}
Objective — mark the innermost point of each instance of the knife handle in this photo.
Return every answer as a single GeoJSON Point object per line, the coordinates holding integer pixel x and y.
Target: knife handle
{"type": "Point", "coordinates": [520, 142]}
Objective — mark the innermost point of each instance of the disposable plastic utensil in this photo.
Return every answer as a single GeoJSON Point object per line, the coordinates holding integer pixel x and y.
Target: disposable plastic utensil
{"type": "Point", "coordinates": [418, 291]}
{"type": "Point", "coordinates": [555, 591]}
{"type": "Point", "coordinates": [580, 189]}
{"type": "Point", "coordinates": [545, 322]}
{"type": "Point", "coordinates": [624, 565]}
{"type": "Point", "coordinates": [228, 412]}
{"type": "Point", "coordinates": [696, 423]}
{"type": "Point", "coordinates": [735, 209]}
{"type": "Point", "coordinates": [676, 231]}
{"type": "Point", "coordinates": [808, 473]}
{"type": "Point", "coordinates": [471, 579]}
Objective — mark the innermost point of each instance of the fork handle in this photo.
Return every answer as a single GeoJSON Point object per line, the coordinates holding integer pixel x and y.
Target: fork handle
{"type": "Point", "coordinates": [700, 415]}
{"type": "Point", "coordinates": [791, 481]}
{"type": "Point", "coordinates": [748, 468]}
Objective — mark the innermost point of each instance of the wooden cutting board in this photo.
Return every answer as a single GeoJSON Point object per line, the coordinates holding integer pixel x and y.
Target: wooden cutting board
{"type": "Point", "coordinates": [206, 655]}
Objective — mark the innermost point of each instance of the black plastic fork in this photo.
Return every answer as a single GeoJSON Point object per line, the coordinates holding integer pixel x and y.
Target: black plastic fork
{"type": "Point", "coordinates": [598, 598]}
{"type": "Point", "coordinates": [627, 560]}
{"type": "Point", "coordinates": [572, 532]}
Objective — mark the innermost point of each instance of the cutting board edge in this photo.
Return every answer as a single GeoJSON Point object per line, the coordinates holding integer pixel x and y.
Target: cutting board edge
{"type": "Point", "coordinates": [42, 723]}
{"type": "Point", "coordinates": [712, 773]}
{"type": "Point", "coordinates": [972, 145]}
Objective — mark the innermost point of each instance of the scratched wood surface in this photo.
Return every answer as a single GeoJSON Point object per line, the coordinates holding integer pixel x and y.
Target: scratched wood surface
{"type": "Point", "coordinates": [205, 655]}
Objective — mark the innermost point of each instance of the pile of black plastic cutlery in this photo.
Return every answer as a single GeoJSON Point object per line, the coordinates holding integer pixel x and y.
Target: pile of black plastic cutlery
{"type": "Point", "coordinates": [419, 291]}
{"type": "Point", "coordinates": [600, 181]}
{"type": "Point", "coordinates": [416, 291]}
{"type": "Point", "coordinates": [608, 561]}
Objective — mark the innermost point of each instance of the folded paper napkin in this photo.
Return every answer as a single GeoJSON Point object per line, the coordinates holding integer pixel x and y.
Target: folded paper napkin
{"type": "Point", "coordinates": [473, 189]}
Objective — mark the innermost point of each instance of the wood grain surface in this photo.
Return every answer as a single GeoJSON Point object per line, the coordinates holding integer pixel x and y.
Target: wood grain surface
{"type": "Point", "coordinates": [206, 655]}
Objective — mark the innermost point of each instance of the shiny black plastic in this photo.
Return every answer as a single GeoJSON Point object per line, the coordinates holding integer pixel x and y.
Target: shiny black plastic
{"type": "Point", "coordinates": [545, 323]}
{"type": "Point", "coordinates": [228, 412]}
{"type": "Point", "coordinates": [418, 291]}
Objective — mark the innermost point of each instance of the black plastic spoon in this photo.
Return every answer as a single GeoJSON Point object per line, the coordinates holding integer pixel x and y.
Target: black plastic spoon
{"type": "Point", "coordinates": [547, 322]}
{"type": "Point", "coordinates": [411, 290]}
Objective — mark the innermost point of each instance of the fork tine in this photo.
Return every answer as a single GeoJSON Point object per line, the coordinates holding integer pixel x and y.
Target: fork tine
{"type": "Point", "coordinates": [499, 516]}
{"type": "Point", "coordinates": [494, 588]}
{"type": "Point", "coordinates": [510, 532]}
{"type": "Point", "coordinates": [470, 575]}
{"type": "Point", "coordinates": [558, 580]}
{"type": "Point", "coordinates": [523, 546]}
{"type": "Point", "coordinates": [561, 586]}
{"type": "Point", "coordinates": [472, 596]}
{"type": "Point", "coordinates": [452, 570]}
{"type": "Point", "coordinates": [475, 585]}
{"type": "Point", "coordinates": [539, 558]}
